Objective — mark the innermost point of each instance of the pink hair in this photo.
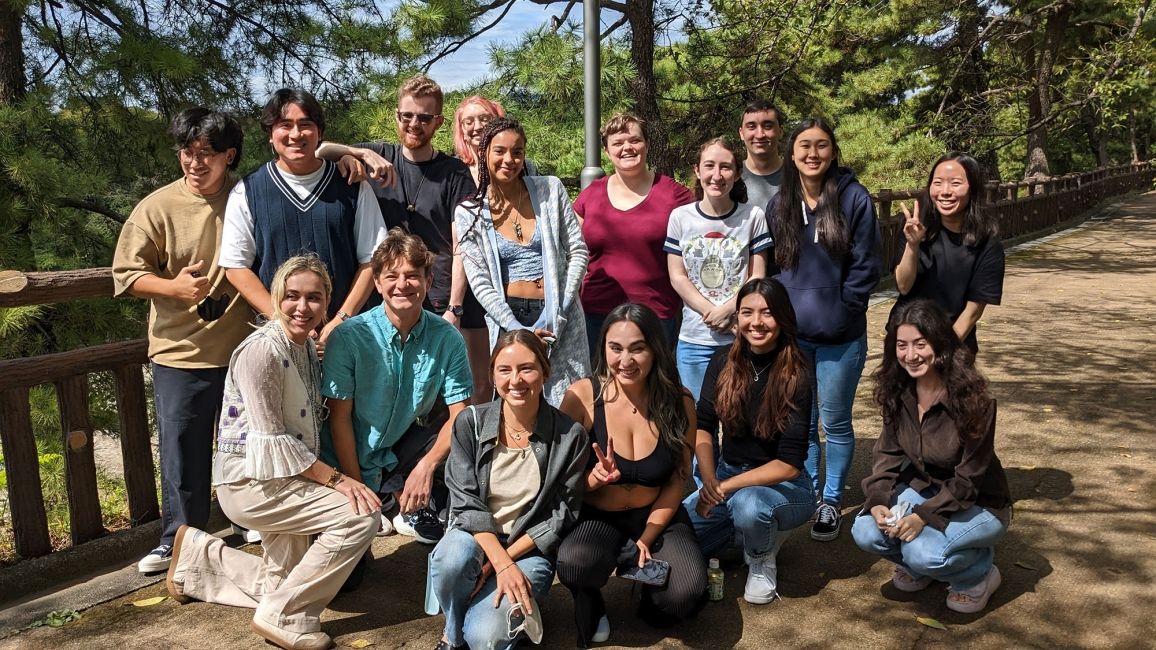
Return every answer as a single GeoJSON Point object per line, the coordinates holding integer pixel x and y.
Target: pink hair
{"type": "Point", "coordinates": [461, 145]}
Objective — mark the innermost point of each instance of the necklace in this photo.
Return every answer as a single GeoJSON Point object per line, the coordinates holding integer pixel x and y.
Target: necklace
{"type": "Point", "coordinates": [504, 209]}
{"type": "Point", "coordinates": [759, 372]}
{"type": "Point", "coordinates": [410, 206]}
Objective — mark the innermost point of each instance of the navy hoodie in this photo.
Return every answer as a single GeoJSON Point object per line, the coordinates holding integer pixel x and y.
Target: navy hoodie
{"type": "Point", "coordinates": [830, 295]}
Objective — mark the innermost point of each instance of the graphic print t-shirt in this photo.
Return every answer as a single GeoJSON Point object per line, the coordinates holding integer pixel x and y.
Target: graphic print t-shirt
{"type": "Point", "coordinates": [716, 253]}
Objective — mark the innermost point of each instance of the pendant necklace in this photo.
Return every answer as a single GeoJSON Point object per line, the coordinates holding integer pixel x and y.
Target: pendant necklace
{"type": "Point", "coordinates": [410, 206]}
{"type": "Point", "coordinates": [759, 372]}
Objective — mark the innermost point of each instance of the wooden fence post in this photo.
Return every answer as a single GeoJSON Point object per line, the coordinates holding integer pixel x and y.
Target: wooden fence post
{"type": "Point", "coordinates": [135, 446]}
{"type": "Point", "coordinates": [22, 465]}
{"type": "Point", "coordinates": [79, 464]}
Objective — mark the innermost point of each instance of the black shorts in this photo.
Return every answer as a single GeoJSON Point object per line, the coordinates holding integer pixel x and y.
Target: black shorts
{"type": "Point", "coordinates": [473, 315]}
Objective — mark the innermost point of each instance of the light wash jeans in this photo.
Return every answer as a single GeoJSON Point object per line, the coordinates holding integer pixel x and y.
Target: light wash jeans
{"type": "Point", "coordinates": [455, 567]}
{"type": "Point", "coordinates": [961, 555]}
{"type": "Point", "coordinates": [692, 360]}
{"type": "Point", "coordinates": [759, 513]}
{"type": "Point", "coordinates": [837, 371]}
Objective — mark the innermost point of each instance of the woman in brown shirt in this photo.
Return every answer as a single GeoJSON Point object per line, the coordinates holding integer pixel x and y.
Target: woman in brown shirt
{"type": "Point", "coordinates": [937, 497]}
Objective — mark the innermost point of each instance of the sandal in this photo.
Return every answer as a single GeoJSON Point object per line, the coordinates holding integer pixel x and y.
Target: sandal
{"type": "Point", "coordinates": [975, 599]}
{"type": "Point", "coordinates": [904, 581]}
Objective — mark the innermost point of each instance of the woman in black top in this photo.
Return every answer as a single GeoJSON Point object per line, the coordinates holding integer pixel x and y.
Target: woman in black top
{"type": "Point", "coordinates": [937, 497]}
{"type": "Point", "coordinates": [641, 423]}
{"type": "Point", "coordinates": [759, 390]}
{"type": "Point", "coordinates": [950, 250]}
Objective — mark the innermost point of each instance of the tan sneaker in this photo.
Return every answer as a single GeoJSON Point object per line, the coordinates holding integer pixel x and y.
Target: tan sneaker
{"type": "Point", "coordinates": [290, 640]}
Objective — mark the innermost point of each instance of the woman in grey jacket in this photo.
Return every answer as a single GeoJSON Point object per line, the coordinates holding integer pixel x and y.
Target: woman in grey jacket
{"type": "Point", "coordinates": [514, 473]}
{"type": "Point", "coordinates": [524, 256]}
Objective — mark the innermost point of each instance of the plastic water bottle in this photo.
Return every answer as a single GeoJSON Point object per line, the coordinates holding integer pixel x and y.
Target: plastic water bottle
{"type": "Point", "coordinates": [714, 580]}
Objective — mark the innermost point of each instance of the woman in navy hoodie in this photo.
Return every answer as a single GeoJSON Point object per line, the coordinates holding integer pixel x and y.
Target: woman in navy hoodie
{"type": "Point", "coordinates": [826, 247]}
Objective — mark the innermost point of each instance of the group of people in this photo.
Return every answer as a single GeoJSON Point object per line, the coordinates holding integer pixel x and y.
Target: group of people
{"type": "Point", "coordinates": [354, 340]}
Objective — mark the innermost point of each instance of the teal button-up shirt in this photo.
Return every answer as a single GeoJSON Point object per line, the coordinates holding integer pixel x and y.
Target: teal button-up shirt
{"type": "Point", "coordinates": [391, 384]}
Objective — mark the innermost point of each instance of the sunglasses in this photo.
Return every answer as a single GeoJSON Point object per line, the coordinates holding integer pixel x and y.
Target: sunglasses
{"type": "Point", "coordinates": [423, 118]}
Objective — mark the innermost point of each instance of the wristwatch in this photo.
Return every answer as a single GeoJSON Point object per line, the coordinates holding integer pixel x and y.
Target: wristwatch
{"type": "Point", "coordinates": [456, 310]}
{"type": "Point", "coordinates": [342, 315]}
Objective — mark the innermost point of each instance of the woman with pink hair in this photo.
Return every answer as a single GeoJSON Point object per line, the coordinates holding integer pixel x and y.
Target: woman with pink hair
{"type": "Point", "coordinates": [470, 119]}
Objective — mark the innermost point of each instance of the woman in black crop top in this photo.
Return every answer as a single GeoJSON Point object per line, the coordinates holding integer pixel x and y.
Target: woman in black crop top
{"type": "Point", "coordinates": [641, 423]}
{"type": "Point", "coordinates": [759, 390]}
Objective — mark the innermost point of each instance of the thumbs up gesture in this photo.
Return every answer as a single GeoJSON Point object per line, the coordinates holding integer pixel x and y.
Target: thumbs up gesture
{"type": "Point", "coordinates": [189, 286]}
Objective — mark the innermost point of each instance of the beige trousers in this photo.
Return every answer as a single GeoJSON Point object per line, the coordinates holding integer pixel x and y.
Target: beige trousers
{"type": "Point", "coordinates": [297, 575]}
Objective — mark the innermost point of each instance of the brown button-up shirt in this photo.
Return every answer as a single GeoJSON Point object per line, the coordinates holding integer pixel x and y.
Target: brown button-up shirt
{"type": "Point", "coordinates": [933, 454]}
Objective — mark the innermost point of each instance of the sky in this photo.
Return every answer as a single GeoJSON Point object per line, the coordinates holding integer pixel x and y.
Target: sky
{"type": "Point", "coordinates": [472, 62]}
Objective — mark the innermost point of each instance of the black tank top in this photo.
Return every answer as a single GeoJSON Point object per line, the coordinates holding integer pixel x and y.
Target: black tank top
{"type": "Point", "coordinates": [653, 471]}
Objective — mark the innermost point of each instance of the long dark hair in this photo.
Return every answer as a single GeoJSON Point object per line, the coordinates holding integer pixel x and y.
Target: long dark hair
{"type": "Point", "coordinates": [787, 370]}
{"type": "Point", "coordinates": [473, 204]}
{"type": "Point", "coordinates": [978, 224]}
{"type": "Point", "coordinates": [664, 391]}
{"type": "Point", "coordinates": [738, 192]}
{"type": "Point", "coordinates": [966, 395]}
{"type": "Point", "coordinates": [829, 221]}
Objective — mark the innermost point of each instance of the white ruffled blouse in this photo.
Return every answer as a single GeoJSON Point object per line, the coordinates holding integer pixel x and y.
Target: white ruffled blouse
{"type": "Point", "coordinates": [271, 412]}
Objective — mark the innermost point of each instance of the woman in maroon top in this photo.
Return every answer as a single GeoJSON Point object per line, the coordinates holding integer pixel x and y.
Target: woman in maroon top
{"type": "Point", "coordinates": [937, 497]}
{"type": "Point", "coordinates": [624, 220]}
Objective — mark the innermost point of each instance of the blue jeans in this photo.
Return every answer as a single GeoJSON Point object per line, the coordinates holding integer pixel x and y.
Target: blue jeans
{"type": "Point", "coordinates": [594, 324]}
{"type": "Point", "coordinates": [961, 555]}
{"type": "Point", "coordinates": [759, 513]}
{"type": "Point", "coordinates": [692, 360]}
{"type": "Point", "coordinates": [837, 371]}
{"type": "Point", "coordinates": [188, 401]}
{"type": "Point", "coordinates": [454, 570]}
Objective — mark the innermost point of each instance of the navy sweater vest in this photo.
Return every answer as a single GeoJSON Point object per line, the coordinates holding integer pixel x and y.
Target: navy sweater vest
{"type": "Point", "coordinates": [323, 223]}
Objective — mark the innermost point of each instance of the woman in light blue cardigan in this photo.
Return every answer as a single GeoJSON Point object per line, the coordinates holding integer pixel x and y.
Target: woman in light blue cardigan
{"type": "Point", "coordinates": [524, 255]}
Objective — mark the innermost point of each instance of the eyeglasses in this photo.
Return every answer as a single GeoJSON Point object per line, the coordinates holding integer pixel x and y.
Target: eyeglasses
{"type": "Point", "coordinates": [480, 120]}
{"type": "Point", "coordinates": [199, 155]}
{"type": "Point", "coordinates": [406, 117]}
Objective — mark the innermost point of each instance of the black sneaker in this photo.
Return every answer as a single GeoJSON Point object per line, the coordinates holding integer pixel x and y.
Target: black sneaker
{"type": "Point", "coordinates": [422, 525]}
{"type": "Point", "coordinates": [827, 523]}
{"type": "Point", "coordinates": [157, 560]}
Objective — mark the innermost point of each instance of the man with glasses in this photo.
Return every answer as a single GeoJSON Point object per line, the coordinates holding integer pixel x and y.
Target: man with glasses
{"type": "Point", "coordinates": [299, 203]}
{"type": "Point", "coordinates": [167, 252]}
{"type": "Point", "coordinates": [428, 186]}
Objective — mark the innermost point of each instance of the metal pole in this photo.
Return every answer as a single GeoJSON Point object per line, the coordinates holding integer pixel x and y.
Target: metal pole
{"type": "Point", "coordinates": [592, 69]}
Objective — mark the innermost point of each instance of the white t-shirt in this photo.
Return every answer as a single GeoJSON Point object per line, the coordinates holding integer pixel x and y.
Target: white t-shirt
{"type": "Point", "coordinates": [238, 238]}
{"type": "Point", "coordinates": [716, 253]}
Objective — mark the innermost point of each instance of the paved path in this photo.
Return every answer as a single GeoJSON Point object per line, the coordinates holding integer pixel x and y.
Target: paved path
{"type": "Point", "coordinates": [1072, 361]}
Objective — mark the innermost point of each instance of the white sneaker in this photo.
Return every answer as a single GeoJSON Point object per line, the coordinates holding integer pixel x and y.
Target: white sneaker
{"type": "Point", "coordinates": [602, 634]}
{"type": "Point", "coordinates": [386, 527]}
{"type": "Point", "coordinates": [248, 534]}
{"type": "Point", "coordinates": [762, 581]}
{"type": "Point", "coordinates": [158, 559]}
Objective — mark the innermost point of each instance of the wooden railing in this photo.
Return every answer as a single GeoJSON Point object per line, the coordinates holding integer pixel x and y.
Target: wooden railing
{"type": "Point", "coordinates": [1021, 208]}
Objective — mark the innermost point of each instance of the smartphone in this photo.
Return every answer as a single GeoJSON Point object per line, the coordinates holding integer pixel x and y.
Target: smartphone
{"type": "Point", "coordinates": [653, 572]}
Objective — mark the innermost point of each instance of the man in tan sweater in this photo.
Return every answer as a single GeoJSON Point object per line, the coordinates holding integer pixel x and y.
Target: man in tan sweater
{"type": "Point", "coordinates": [167, 252]}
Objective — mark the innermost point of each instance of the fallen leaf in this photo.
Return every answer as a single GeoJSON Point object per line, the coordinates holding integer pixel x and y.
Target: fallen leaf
{"type": "Point", "coordinates": [1126, 455]}
{"type": "Point", "coordinates": [149, 602]}
{"type": "Point", "coordinates": [1047, 409]}
{"type": "Point", "coordinates": [1027, 467]}
{"type": "Point", "coordinates": [1025, 565]}
{"type": "Point", "coordinates": [361, 643]}
{"type": "Point", "coordinates": [930, 622]}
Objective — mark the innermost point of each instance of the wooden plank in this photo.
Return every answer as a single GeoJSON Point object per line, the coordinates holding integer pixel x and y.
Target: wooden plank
{"type": "Point", "coordinates": [18, 289]}
{"type": "Point", "coordinates": [22, 467]}
{"type": "Point", "coordinates": [79, 463]}
{"type": "Point", "coordinates": [47, 368]}
{"type": "Point", "coordinates": [135, 445]}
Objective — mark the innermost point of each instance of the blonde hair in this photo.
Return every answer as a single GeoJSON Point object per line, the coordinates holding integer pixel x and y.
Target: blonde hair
{"type": "Point", "coordinates": [420, 85]}
{"type": "Point", "coordinates": [291, 267]}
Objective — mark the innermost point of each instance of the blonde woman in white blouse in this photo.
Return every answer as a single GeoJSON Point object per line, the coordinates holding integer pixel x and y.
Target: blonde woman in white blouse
{"type": "Point", "coordinates": [316, 522]}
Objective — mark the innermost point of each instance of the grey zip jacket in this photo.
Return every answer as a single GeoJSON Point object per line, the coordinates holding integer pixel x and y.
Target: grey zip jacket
{"type": "Point", "coordinates": [560, 447]}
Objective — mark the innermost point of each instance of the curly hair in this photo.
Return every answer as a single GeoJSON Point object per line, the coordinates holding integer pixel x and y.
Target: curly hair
{"type": "Point", "coordinates": [966, 395]}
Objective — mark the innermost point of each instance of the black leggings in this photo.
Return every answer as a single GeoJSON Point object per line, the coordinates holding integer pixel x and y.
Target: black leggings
{"type": "Point", "coordinates": [590, 552]}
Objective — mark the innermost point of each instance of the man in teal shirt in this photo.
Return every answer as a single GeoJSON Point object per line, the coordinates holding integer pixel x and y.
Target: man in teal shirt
{"type": "Point", "coordinates": [396, 379]}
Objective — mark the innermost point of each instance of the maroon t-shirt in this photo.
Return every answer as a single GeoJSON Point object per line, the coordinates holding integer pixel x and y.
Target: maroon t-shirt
{"type": "Point", "coordinates": [627, 263]}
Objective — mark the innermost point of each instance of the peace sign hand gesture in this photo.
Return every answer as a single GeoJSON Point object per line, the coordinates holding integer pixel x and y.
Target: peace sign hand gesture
{"type": "Point", "coordinates": [605, 471]}
{"type": "Point", "coordinates": [913, 229]}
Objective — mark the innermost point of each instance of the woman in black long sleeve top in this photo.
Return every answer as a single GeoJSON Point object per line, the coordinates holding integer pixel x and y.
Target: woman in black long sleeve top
{"type": "Point", "coordinates": [759, 390]}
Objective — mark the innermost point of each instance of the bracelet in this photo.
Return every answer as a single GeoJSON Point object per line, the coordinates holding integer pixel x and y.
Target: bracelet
{"type": "Point", "coordinates": [504, 568]}
{"type": "Point", "coordinates": [342, 315]}
{"type": "Point", "coordinates": [334, 478]}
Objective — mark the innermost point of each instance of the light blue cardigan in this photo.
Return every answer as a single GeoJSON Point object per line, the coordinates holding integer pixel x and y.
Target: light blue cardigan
{"type": "Point", "coordinates": [564, 258]}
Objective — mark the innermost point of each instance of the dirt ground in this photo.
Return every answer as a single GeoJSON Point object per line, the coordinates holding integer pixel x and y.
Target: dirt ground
{"type": "Point", "coordinates": [1071, 357]}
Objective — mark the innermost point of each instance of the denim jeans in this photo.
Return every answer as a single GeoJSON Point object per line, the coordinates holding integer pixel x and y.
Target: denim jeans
{"type": "Point", "coordinates": [961, 555]}
{"type": "Point", "coordinates": [188, 401]}
{"type": "Point", "coordinates": [759, 513]}
{"type": "Point", "coordinates": [594, 324]}
{"type": "Point", "coordinates": [526, 310]}
{"type": "Point", "coordinates": [837, 371]}
{"type": "Point", "coordinates": [692, 360]}
{"type": "Point", "coordinates": [455, 567]}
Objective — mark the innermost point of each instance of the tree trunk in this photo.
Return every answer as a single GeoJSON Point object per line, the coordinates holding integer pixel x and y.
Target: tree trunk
{"type": "Point", "coordinates": [640, 15]}
{"type": "Point", "coordinates": [12, 84]}
{"type": "Point", "coordinates": [973, 82]}
{"type": "Point", "coordinates": [1097, 141]}
{"type": "Point", "coordinates": [1132, 140]}
{"type": "Point", "coordinates": [1041, 59]}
